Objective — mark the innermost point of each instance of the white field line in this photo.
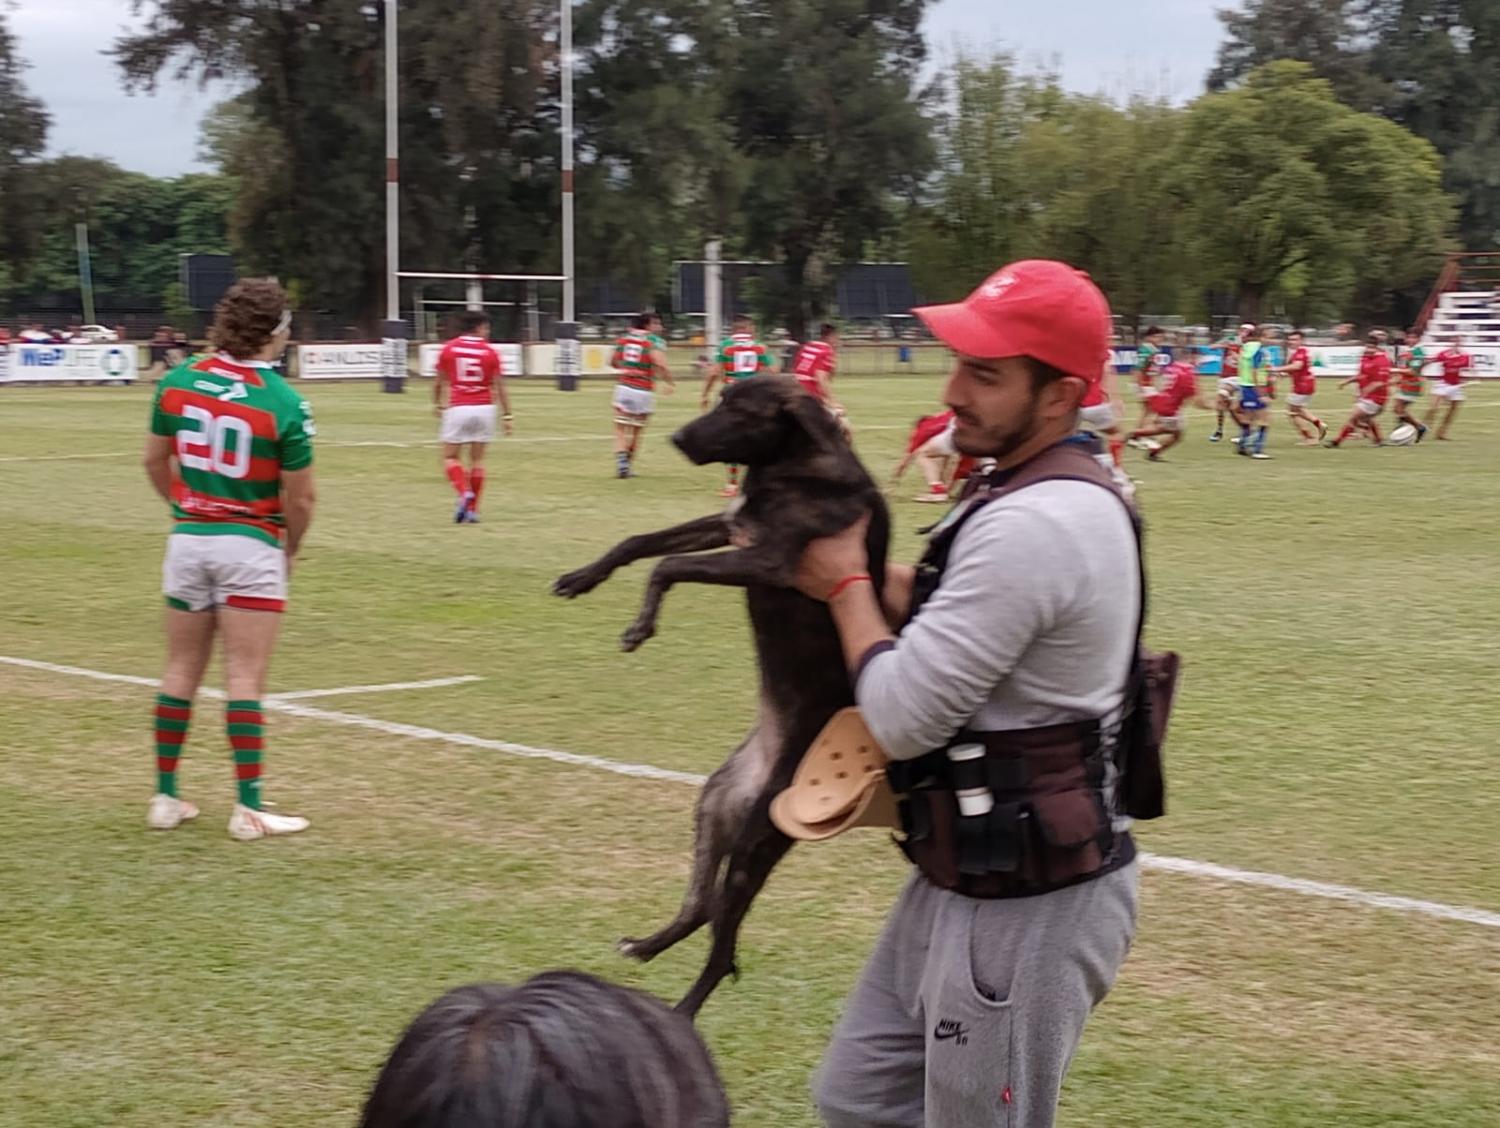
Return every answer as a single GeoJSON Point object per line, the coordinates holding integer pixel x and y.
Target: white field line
{"type": "Point", "coordinates": [66, 457]}
{"type": "Point", "coordinates": [392, 445]}
{"type": "Point", "coordinates": [418, 732]}
{"type": "Point", "coordinates": [498, 442]}
{"type": "Point", "coordinates": [1187, 866]}
{"type": "Point", "coordinates": [388, 687]}
{"type": "Point", "coordinates": [1322, 889]}
{"type": "Point", "coordinates": [376, 443]}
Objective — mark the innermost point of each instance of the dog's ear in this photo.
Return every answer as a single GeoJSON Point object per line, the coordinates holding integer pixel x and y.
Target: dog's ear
{"type": "Point", "coordinates": [810, 415]}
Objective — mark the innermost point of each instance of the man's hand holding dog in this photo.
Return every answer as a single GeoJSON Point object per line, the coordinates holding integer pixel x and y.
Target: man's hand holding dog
{"type": "Point", "coordinates": [830, 571]}
{"type": "Point", "coordinates": [835, 570]}
{"type": "Point", "coordinates": [829, 561]}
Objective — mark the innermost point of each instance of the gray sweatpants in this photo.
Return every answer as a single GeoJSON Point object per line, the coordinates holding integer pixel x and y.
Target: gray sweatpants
{"type": "Point", "coordinates": [969, 1011]}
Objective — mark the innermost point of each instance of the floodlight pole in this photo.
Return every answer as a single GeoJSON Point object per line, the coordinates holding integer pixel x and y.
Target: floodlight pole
{"type": "Point", "coordinates": [565, 47]}
{"type": "Point", "coordinates": [713, 299]}
{"type": "Point", "coordinates": [568, 358]}
{"type": "Point", "coordinates": [85, 271]}
{"type": "Point", "coordinates": [393, 331]}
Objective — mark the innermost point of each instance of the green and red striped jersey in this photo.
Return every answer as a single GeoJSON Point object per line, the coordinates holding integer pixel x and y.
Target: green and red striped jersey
{"type": "Point", "coordinates": [633, 360]}
{"type": "Point", "coordinates": [742, 355]}
{"type": "Point", "coordinates": [235, 426]}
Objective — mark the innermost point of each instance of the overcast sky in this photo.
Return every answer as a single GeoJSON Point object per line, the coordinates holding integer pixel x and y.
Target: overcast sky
{"type": "Point", "coordinates": [1114, 46]}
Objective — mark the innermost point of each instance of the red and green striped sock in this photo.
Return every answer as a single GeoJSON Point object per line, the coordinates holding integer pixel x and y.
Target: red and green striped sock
{"type": "Point", "coordinates": [245, 724]}
{"type": "Point", "coordinates": [172, 717]}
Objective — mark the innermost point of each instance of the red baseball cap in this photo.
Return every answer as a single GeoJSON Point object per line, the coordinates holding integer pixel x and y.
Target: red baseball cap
{"type": "Point", "coordinates": [1038, 308]}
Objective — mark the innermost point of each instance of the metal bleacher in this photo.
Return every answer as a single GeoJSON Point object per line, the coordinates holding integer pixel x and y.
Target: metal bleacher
{"type": "Point", "coordinates": [1474, 315]}
{"type": "Point", "coordinates": [1465, 301]}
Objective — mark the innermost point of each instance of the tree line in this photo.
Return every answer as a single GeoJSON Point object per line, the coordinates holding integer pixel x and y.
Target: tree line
{"type": "Point", "coordinates": [1340, 148]}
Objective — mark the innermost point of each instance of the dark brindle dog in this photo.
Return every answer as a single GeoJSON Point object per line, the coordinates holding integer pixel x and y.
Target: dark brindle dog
{"type": "Point", "coordinates": [803, 482]}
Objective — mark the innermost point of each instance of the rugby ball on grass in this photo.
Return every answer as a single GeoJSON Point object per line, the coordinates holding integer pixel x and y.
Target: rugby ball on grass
{"type": "Point", "coordinates": [1403, 435]}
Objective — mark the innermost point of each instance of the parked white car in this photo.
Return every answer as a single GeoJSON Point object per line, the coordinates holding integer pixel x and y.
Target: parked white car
{"type": "Point", "coordinates": [95, 335]}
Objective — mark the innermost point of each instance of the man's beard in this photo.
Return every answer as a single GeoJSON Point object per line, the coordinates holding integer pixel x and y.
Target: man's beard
{"type": "Point", "coordinates": [999, 441]}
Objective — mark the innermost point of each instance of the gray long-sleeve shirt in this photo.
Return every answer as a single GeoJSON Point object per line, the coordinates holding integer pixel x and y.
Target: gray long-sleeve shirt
{"type": "Point", "coordinates": [1033, 624]}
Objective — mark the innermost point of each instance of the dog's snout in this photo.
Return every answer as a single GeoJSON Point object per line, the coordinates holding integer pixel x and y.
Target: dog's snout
{"type": "Point", "coordinates": [682, 439]}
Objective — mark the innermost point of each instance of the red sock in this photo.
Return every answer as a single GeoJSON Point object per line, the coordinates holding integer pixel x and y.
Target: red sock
{"type": "Point", "coordinates": [476, 485]}
{"type": "Point", "coordinates": [1344, 434]}
{"type": "Point", "coordinates": [1116, 450]}
{"type": "Point", "coordinates": [455, 472]}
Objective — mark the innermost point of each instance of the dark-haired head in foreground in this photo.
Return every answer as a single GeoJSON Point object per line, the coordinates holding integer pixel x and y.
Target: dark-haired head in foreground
{"type": "Point", "coordinates": [563, 1050]}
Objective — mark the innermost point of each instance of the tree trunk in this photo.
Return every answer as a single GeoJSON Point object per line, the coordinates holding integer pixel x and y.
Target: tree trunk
{"type": "Point", "coordinates": [1252, 300]}
{"type": "Point", "coordinates": [794, 300]}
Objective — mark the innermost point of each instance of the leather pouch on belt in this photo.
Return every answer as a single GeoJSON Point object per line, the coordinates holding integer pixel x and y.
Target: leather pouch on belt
{"type": "Point", "coordinates": [1071, 825]}
{"type": "Point", "coordinates": [839, 785]}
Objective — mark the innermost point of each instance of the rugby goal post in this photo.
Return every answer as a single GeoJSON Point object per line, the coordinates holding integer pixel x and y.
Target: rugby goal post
{"type": "Point", "coordinates": [393, 331]}
{"type": "Point", "coordinates": [474, 299]}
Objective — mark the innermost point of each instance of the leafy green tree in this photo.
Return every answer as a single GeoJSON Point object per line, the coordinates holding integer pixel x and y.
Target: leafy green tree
{"type": "Point", "coordinates": [312, 200]}
{"type": "Point", "coordinates": [1026, 170]}
{"type": "Point", "coordinates": [138, 226]}
{"type": "Point", "coordinates": [1331, 36]}
{"type": "Point", "coordinates": [1432, 66]}
{"type": "Point", "coordinates": [1439, 61]}
{"type": "Point", "coordinates": [305, 142]}
{"type": "Point", "coordinates": [1278, 176]}
{"type": "Point", "coordinates": [1102, 194]}
{"type": "Point", "coordinates": [658, 174]}
{"type": "Point", "coordinates": [978, 212]}
{"type": "Point", "coordinates": [822, 103]}
{"type": "Point", "coordinates": [23, 137]}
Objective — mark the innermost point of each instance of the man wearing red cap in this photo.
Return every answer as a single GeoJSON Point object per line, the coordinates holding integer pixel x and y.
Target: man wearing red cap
{"type": "Point", "coordinates": [1013, 639]}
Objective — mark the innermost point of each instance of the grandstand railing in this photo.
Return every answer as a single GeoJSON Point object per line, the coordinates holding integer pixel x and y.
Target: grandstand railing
{"type": "Point", "coordinates": [1473, 271]}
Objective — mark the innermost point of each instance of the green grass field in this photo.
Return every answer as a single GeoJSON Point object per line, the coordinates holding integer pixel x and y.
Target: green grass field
{"type": "Point", "coordinates": [1338, 612]}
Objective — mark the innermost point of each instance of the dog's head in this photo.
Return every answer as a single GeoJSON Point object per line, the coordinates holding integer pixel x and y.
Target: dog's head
{"type": "Point", "coordinates": [759, 420]}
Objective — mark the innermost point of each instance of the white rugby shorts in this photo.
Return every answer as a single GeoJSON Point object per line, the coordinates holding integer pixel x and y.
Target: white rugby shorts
{"type": "Point", "coordinates": [633, 401]}
{"type": "Point", "coordinates": [1229, 387]}
{"type": "Point", "coordinates": [469, 423]}
{"type": "Point", "coordinates": [941, 444]}
{"type": "Point", "coordinates": [1169, 422]}
{"type": "Point", "coordinates": [1370, 407]}
{"type": "Point", "coordinates": [1099, 417]}
{"type": "Point", "coordinates": [1454, 393]}
{"type": "Point", "coordinates": [1298, 399]}
{"type": "Point", "coordinates": [203, 571]}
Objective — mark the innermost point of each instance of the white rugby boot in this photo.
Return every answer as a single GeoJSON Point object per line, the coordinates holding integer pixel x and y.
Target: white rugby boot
{"type": "Point", "coordinates": [168, 813]}
{"type": "Point", "coordinates": [246, 825]}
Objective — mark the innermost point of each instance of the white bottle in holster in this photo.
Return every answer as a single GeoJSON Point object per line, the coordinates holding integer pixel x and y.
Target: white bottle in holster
{"type": "Point", "coordinates": [974, 798]}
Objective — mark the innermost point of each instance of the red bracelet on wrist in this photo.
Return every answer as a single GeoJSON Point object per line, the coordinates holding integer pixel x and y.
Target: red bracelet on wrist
{"type": "Point", "coordinates": [848, 582]}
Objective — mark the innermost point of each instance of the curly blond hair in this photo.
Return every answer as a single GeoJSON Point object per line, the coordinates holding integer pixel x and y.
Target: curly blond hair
{"type": "Point", "coordinates": [247, 315]}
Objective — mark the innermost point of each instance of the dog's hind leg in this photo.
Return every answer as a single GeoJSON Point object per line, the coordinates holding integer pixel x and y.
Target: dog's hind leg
{"type": "Point", "coordinates": [722, 807]}
{"type": "Point", "coordinates": [749, 866]}
{"type": "Point", "coordinates": [711, 844]}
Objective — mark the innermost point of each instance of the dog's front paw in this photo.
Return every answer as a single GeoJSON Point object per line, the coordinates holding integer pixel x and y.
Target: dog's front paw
{"type": "Point", "coordinates": [574, 584]}
{"type": "Point", "coordinates": [635, 950]}
{"type": "Point", "coordinates": [637, 633]}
